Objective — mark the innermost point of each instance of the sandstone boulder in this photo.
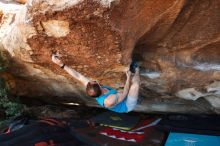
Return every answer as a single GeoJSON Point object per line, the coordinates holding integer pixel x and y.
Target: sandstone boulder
{"type": "Point", "coordinates": [175, 42]}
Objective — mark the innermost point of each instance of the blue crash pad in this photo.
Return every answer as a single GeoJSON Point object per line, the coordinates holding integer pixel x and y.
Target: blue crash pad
{"type": "Point", "coordinates": [185, 139]}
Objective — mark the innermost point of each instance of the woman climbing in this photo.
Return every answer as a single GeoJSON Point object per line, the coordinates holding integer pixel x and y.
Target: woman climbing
{"type": "Point", "coordinates": [121, 102]}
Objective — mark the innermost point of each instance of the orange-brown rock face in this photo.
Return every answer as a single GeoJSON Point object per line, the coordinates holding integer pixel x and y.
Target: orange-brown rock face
{"type": "Point", "coordinates": [175, 42]}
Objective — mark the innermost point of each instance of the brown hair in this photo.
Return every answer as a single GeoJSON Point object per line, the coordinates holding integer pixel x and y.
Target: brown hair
{"type": "Point", "coordinates": [93, 90]}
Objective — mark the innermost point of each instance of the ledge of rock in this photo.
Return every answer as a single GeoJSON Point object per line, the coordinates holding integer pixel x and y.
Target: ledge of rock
{"type": "Point", "coordinates": [176, 43]}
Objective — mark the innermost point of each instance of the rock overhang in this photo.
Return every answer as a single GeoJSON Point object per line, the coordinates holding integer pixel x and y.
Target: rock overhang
{"type": "Point", "coordinates": [175, 42]}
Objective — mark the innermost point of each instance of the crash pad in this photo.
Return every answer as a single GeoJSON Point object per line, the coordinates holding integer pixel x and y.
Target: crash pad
{"type": "Point", "coordinates": [43, 132]}
{"type": "Point", "coordinates": [92, 137]}
{"type": "Point", "coordinates": [123, 135]}
{"type": "Point", "coordinates": [186, 139]}
{"type": "Point", "coordinates": [135, 135]}
{"type": "Point", "coordinates": [116, 120]}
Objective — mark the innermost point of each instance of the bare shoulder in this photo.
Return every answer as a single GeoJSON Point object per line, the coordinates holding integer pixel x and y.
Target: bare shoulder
{"type": "Point", "coordinates": [110, 100]}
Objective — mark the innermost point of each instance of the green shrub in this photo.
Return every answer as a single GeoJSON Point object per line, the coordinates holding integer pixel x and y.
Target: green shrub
{"type": "Point", "coordinates": [11, 107]}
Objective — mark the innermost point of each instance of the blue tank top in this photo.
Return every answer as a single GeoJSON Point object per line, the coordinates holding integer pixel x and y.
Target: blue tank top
{"type": "Point", "coordinates": [119, 108]}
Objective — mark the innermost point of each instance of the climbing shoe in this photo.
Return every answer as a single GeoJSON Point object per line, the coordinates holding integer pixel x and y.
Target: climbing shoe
{"type": "Point", "coordinates": [133, 66]}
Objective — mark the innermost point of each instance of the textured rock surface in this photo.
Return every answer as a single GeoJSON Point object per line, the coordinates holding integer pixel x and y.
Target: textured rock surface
{"type": "Point", "coordinates": [176, 43]}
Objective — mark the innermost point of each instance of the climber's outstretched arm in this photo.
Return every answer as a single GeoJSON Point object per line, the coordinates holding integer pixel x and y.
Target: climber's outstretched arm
{"type": "Point", "coordinates": [71, 71]}
{"type": "Point", "coordinates": [77, 75]}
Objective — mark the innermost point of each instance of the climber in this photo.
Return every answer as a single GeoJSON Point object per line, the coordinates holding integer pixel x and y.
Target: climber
{"type": "Point", "coordinates": [117, 101]}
